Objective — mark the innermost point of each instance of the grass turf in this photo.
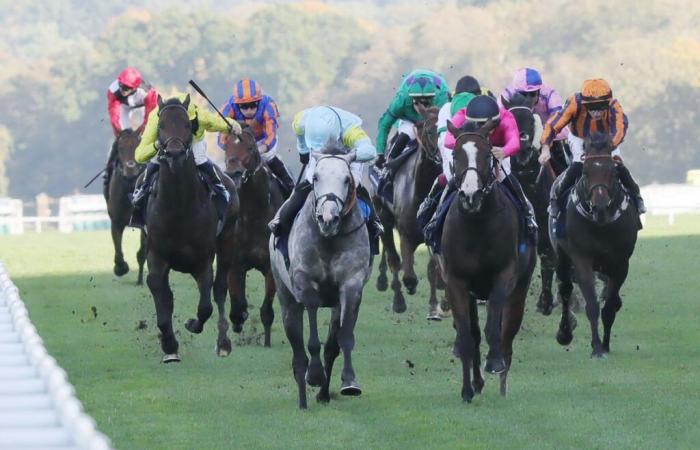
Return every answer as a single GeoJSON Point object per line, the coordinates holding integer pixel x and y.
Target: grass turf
{"type": "Point", "coordinates": [101, 329]}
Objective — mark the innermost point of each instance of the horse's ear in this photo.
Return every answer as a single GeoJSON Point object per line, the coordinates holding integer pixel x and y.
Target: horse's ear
{"type": "Point", "coordinates": [350, 157]}
{"type": "Point", "coordinates": [506, 104]}
{"type": "Point", "coordinates": [316, 155]}
{"type": "Point", "coordinates": [186, 103]}
{"type": "Point", "coordinates": [160, 101]}
{"type": "Point", "coordinates": [452, 128]}
{"type": "Point", "coordinates": [487, 127]}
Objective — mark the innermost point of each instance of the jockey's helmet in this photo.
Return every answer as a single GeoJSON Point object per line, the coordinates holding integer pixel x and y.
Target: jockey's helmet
{"type": "Point", "coordinates": [247, 91]}
{"type": "Point", "coordinates": [129, 78]}
{"type": "Point", "coordinates": [482, 108]}
{"type": "Point", "coordinates": [527, 80]}
{"type": "Point", "coordinates": [596, 91]}
{"type": "Point", "coordinates": [322, 125]}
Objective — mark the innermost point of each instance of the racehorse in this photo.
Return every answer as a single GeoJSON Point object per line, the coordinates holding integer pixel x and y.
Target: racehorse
{"type": "Point", "coordinates": [329, 264]}
{"type": "Point", "coordinates": [412, 182]}
{"type": "Point", "coordinates": [482, 258]}
{"type": "Point", "coordinates": [599, 238]}
{"type": "Point", "coordinates": [182, 222]}
{"type": "Point", "coordinates": [119, 207]}
{"type": "Point", "coordinates": [246, 244]}
{"type": "Point", "coordinates": [536, 181]}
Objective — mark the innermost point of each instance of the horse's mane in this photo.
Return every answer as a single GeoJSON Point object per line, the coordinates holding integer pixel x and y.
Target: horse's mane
{"type": "Point", "coordinates": [517, 99]}
{"type": "Point", "coordinates": [334, 148]}
{"type": "Point", "coordinates": [599, 142]}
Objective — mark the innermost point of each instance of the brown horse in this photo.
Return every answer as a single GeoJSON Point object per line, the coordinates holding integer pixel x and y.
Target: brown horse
{"type": "Point", "coordinates": [482, 258]}
{"type": "Point", "coordinates": [412, 182]}
{"type": "Point", "coordinates": [599, 238]}
{"type": "Point", "coordinates": [119, 207]}
{"type": "Point", "coordinates": [246, 244]}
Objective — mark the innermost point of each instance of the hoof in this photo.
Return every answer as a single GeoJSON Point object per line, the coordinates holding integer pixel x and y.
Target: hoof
{"type": "Point", "coordinates": [410, 284]}
{"type": "Point", "coordinates": [478, 386]}
{"type": "Point", "coordinates": [564, 337]}
{"type": "Point", "coordinates": [480, 302]}
{"type": "Point", "coordinates": [435, 316]}
{"type": "Point", "coordinates": [239, 321]}
{"type": "Point", "coordinates": [350, 388]}
{"type": "Point", "coordinates": [223, 349]}
{"type": "Point", "coordinates": [598, 354]}
{"type": "Point", "coordinates": [237, 327]}
{"type": "Point", "coordinates": [171, 358]}
{"type": "Point", "coordinates": [193, 326]}
{"type": "Point", "coordinates": [399, 305]}
{"type": "Point", "coordinates": [382, 283]}
{"type": "Point", "coordinates": [323, 397]}
{"type": "Point", "coordinates": [121, 269]}
{"type": "Point", "coordinates": [467, 395]}
{"type": "Point", "coordinates": [315, 378]}
{"type": "Point", "coordinates": [495, 365]}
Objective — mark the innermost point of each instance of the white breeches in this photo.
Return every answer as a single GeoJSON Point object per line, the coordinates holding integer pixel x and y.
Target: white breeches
{"type": "Point", "coordinates": [406, 127]}
{"type": "Point", "coordinates": [268, 155]}
{"type": "Point", "coordinates": [130, 118]}
{"type": "Point", "coordinates": [576, 145]}
{"type": "Point", "coordinates": [358, 170]}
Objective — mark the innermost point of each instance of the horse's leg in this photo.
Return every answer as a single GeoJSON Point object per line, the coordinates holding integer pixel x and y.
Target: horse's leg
{"type": "Point", "coordinates": [382, 280]}
{"type": "Point", "coordinates": [205, 280]}
{"type": "Point", "coordinates": [410, 280]}
{"type": "Point", "coordinates": [394, 262]}
{"type": "Point", "coordinates": [350, 298]}
{"type": "Point", "coordinates": [293, 320]}
{"type": "Point", "coordinates": [157, 281]}
{"type": "Point", "coordinates": [502, 287]}
{"type": "Point", "coordinates": [223, 343]}
{"type": "Point", "coordinates": [545, 304]}
{"type": "Point", "coordinates": [331, 350]}
{"type": "Point", "coordinates": [586, 281]}
{"type": "Point", "coordinates": [120, 266]}
{"type": "Point", "coordinates": [567, 324]}
{"type": "Point", "coordinates": [141, 257]}
{"type": "Point", "coordinates": [510, 325]}
{"type": "Point", "coordinates": [459, 298]}
{"type": "Point", "coordinates": [433, 312]}
{"type": "Point", "coordinates": [267, 313]}
{"type": "Point", "coordinates": [478, 382]}
{"type": "Point", "coordinates": [613, 303]}
{"type": "Point", "coordinates": [315, 376]}
{"type": "Point", "coordinates": [236, 289]}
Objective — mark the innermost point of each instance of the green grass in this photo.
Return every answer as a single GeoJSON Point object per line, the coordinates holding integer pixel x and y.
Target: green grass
{"type": "Point", "coordinates": [646, 394]}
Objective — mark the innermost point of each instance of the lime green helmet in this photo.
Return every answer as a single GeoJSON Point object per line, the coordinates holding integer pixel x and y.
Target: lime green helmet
{"type": "Point", "coordinates": [423, 85]}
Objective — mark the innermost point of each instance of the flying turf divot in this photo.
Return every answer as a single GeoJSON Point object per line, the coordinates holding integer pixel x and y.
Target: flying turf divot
{"type": "Point", "coordinates": [38, 407]}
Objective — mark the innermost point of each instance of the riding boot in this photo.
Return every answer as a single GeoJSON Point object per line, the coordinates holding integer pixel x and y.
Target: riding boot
{"type": "Point", "coordinates": [430, 203]}
{"type": "Point", "coordinates": [568, 180]}
{"type": "Point", "coordinates": [221, 194]}
{"type": "Point", "coordinates": [374, 225]}
{"type": "Point", "coordinates": [386, 183]}
{"type": "Point", "coordinates": [631, 186]}
{"type": "Point", "coordinates": [139, 197]}
{"type": "Point", "coordinates": [431, 227]}
{"type": "Point", "coordinates": [109, 168]}
{"type": "Point", "coordinates": [280, 171]}
{"type": "Point", "coordinates": [283, 220]}
{"type": "Point", "coordinates": [525, 204]}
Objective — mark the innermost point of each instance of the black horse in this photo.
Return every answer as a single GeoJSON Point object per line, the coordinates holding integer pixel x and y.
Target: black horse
{"type": "Point", "coordinates": [599, 237]}
{"type": "Point", "coordinates": [412, 181]}
{"type": "Point", "coordinates": [483, 258]}
{"type": "Point", "coordinates": [245, 245]}
{"type": "Point", "coordinates": [537, 181]}
{"type": "Point", "coordinates": [181, 219]}
{"type": "Point", "coordinates": [119, 207]}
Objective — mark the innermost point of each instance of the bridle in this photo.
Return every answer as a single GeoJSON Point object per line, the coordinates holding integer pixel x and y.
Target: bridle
{"type": "Point", "coordinates": [187, 146]}
{"type": "Point", "coordinates": [584, 205]}
{"type": "Point", "coordinates": [128, 164]}
{"type": "Point", "coordinates": [423, 137]}
{"type": "Point", "coordinates": [487, 182]}
{"type": "Point", "coordinates": [252, 150]}
{"type": "Point", "coordinates": [346, 204]}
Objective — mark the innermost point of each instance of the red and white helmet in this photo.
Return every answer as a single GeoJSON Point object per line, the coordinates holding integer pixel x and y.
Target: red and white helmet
{"type": "Point", "coordinates": [130, 78]}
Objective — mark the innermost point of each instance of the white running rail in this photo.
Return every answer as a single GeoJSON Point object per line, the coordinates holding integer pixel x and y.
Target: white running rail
{"type": "Point", "coordinates": [38, 407]}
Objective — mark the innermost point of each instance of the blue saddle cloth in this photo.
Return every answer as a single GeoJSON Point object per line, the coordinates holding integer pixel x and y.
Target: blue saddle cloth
{"type": "Point", "coordinates": [433, 231]}
{"type": "Point", "coordinates": [282, 242]}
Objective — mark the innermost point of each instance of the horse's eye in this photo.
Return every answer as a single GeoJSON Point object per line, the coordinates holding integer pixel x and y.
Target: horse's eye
{"type": "Point", "coordinates": [524, 136]}
{"type": "Point", "coordinates": [347, 180]}
{"type": "Point", "coordinates": [314, 178]}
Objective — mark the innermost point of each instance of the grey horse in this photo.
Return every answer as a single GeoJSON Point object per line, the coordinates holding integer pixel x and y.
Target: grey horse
{"type": "Point", "coordinates": [329, 265]}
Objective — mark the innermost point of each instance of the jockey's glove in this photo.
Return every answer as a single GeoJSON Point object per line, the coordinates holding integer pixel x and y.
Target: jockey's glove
{"type": "Point", "coordinates": [379, 162]}
{"type": "Point", "coordinates": [304, 158]}
{"type": "Point", "coordinates": [235, 127]}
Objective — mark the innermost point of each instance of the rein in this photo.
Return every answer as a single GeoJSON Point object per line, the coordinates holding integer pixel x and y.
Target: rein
{"type": "Point", "coordinates": [433, 157]}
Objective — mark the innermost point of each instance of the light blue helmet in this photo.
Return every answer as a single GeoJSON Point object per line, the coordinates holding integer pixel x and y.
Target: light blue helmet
{"type": "Point", "coordinates": [322, 124]}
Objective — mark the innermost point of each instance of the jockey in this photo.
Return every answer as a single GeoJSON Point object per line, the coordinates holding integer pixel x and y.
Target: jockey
{"type": "Point", "coordinates": [128, 97]}
{"type": "Point", "coordinates": [593, 109]}
{"type": "Point", "coordinates": [259, 111]}
{"type": "Point", "coordinates": [420, 86]}
{"type": "Point", "coordinates": [201, 120]}
{"type": "Point", "coordinates": [314, 128]}
{"type": "Point", "coordinates": [505, 139]}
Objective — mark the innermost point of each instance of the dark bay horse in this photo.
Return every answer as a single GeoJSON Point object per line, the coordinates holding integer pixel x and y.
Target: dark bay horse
{"type": "Point", "coordinates": [119, 207]}
{"type": "Point", "coordinates": [601, 232]}
{"type": "Point", "coordinates": [481, 259]}
{"type": "Point", "coordinates": [412, 182]}
{"type": "Point", "coordinates": [536, 181]}
{"type": "Point", "coordinates": [245, 245]}
{"type": "Point", "coordinates": [329, 265]}
{"type": "Point", "coordinates": [181, 220]}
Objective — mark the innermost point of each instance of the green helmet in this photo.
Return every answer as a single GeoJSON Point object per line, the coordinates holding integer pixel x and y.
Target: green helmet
{"type": "Point", "coordinates": [423, 85]}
